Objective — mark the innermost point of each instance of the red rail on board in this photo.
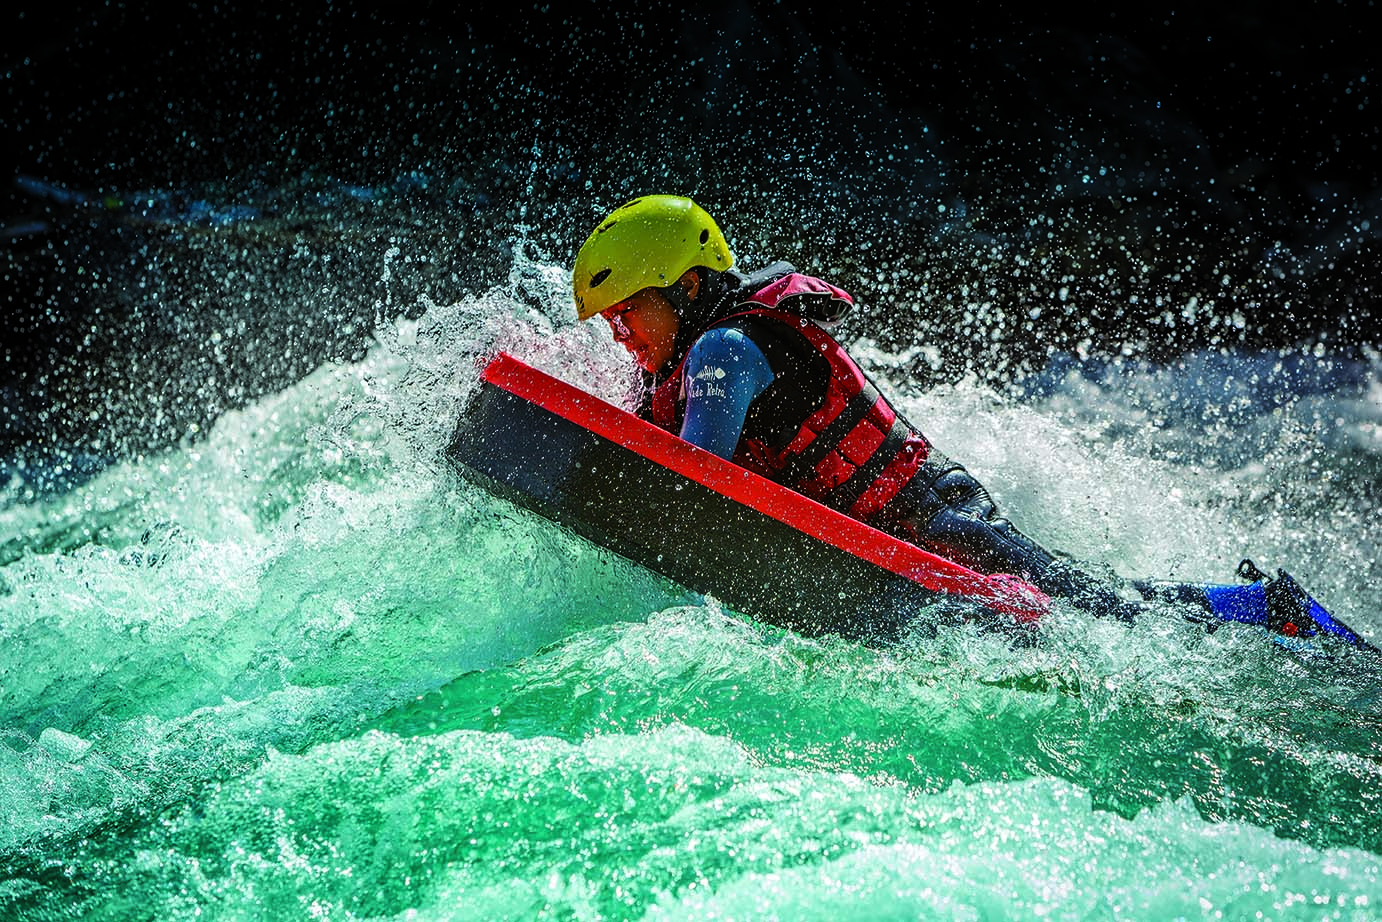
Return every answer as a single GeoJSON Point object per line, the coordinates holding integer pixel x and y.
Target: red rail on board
{"type": "Point", "coordinates": [1003, 593]}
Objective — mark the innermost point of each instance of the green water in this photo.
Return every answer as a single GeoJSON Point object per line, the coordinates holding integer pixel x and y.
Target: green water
{"type": "Point", "coordinates": [298, 670]}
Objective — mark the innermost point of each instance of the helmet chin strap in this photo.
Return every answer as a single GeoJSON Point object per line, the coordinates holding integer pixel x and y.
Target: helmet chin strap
{"type": "Point", "coordinates": [688, 311]}
{"type": "Point", "coordinates": [680, 299]}
{"type": "Point", "coordinates": [693, 314]}
{"type": "Point", "coordinates": [687, 295]}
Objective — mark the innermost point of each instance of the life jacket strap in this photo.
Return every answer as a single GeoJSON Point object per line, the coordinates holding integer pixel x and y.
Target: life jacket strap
{"type": "Point", "coordinates": [854, 413]}
{"type": "Point", "coordinates": [844, 496]}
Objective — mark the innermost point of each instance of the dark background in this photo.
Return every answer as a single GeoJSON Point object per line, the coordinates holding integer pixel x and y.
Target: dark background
{"type": "Point", "coordinates": [199, 201]}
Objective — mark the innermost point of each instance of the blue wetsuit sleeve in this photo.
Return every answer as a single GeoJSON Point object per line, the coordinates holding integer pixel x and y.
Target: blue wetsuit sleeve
{"type": "Point", "coordinates": [724, 372]}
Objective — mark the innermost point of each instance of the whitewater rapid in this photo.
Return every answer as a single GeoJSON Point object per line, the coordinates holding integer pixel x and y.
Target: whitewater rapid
{"type": "Point", "coordinates": [297, 667]}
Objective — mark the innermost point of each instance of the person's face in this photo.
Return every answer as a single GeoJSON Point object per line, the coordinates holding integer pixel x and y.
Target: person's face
{"type": "Point", "coordinates": [646, 325]}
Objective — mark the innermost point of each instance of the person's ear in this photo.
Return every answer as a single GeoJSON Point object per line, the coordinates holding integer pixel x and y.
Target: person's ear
{"type": "Point", "coordinates": [690, 283]}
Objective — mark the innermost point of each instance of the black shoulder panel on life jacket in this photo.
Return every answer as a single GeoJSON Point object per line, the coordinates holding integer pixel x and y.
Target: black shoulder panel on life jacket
{"type": "Point", "coordinates": [801, 378]}
{"type": "Point", "coordinates": [724, 292]}
{"type": "Point", "coordinates": [767, 275]}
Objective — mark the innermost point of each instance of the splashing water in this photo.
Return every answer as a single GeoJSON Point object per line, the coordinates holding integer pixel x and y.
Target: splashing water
{"type": "Point", "coordinates": [299, 668]}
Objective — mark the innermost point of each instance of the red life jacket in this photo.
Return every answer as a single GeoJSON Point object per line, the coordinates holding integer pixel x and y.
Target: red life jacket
{"type": "Point", "coordinates": [853, 453]}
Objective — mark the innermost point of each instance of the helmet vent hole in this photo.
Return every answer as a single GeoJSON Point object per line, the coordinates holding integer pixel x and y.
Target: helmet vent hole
{"type": "Point", "coordinates": [599, 278]}
{"type": "Point", "coordinates": [705, 235]}
{"type": "Point", "coordinates": [606, 226]}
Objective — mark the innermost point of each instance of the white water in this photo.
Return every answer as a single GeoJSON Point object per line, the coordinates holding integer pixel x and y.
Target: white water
{"type": "Point", "coordinates": [298, 667]}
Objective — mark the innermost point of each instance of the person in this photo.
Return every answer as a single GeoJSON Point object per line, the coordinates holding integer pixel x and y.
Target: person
{"type": "Point", "coordinates": [743, 365]}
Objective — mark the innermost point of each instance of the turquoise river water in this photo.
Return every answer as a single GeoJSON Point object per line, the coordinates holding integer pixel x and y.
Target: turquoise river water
{"type": "Point", "coordinates": [298, 669]}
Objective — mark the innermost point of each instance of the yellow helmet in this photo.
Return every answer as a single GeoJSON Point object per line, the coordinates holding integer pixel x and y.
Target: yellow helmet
{"type": "Point", "coordinates": [647, 243]}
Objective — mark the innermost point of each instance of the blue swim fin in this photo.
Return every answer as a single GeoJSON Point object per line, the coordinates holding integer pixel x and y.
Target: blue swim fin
{"type": "Point", "coordinates": [1277, 603]}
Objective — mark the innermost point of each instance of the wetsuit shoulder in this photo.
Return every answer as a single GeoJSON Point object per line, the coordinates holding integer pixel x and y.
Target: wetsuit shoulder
{"type": "Point", "coordinates": [724, 373]}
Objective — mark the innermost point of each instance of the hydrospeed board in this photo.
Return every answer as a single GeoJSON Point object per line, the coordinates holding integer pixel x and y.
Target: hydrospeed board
{"type": "Point", "coordinates": [707, 524]}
